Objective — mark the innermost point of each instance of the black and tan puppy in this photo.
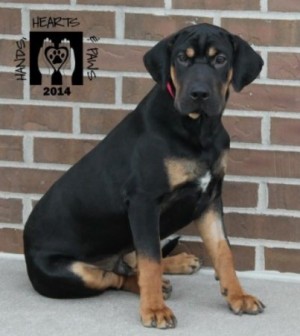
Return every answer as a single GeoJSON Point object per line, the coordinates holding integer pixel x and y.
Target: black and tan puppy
{"type": "Point", "coordinates": [161, 168]}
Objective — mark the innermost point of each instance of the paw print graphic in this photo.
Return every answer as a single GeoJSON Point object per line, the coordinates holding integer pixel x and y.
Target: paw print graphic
{"type": "Point", "coordinates": [57, 56]}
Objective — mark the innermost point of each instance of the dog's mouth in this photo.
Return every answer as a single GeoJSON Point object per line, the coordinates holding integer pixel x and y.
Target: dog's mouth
{"type": "Point", "coordinates": [194, 115]}
{"type": "Point", "coordinates": [192, 112]}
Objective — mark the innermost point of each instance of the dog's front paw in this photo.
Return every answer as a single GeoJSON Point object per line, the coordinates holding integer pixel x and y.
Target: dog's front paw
{"type": "Point", "coordinates": [160, 317]}
{"type": "Point", "coordinates": [245, 304]}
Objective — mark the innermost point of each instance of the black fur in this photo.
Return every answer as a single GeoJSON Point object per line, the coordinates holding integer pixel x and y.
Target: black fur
{"type": "Point", "coordinates": [118, 197]}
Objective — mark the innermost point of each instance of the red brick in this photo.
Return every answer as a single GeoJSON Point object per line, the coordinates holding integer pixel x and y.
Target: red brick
{"type": "Point", "coordinates": [10, 86]}
{"type": "Point", "coordinates": [237, 194]}
{"type": "Point", "coordinates": [285, 131]}
{"type": "Point", "coordinates": [284, 196]}
{"type": "Point", "coordinates": [283, 260]}
{"type": "Point", "coordinates": [244, 257]}
{"type": "Point", "coordinates": [66, 151]}
{"type": "Point", "coordinates": [23, 180]}
{"type": "Point", "coordinates": [36, 118]}
{"type": "Point", "coordinates": [278, 98]}
{"type": "Point", "coordinates": [284, 66]}
{"type": "Point", "coordinates": [154, 27]}
{"type": "Point", "coordinates": [8, 49]}
{"type": "Point", "coordinates": [243, 129]}
{"type": "Point", "coordinates": [11, 241]}
{"type": "Point", "coordinates": [7, 52]}
{"type": "Point", "coordinates": [135, 89]}
{"type": "Point", "coordinates": [217, 4]}
{"type": "Point", "coordinates": [279, 228]}
{"type": "Point", "coordinates": [264, 163]}
{"type": "Point", "coordinates": [10, 210]}
{"type": "Point", "coordinates": [284, 6]}
{"type": "Point", "coordinates": [100, 24]}
{"type": "Point", "coordinates": [10, 22]}
{"type": "Point", "coordinates": [100, 121]}
{"type": "Point", "coordinates": [11, 148]}
{"type": "Point", "coordinates": [117, 57]}
{"type": "Point", "coordinates": [135, 3]}
{"type": "Point", "coordinates": [265, 32]}
{"type": "Point", "coordinates": [98, 90]}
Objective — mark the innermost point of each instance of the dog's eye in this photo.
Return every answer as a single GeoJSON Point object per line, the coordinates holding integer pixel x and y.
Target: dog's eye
{"type": "Point", "coordinates": [220, 60]}
{"type": "Point", "coordinates": [182, 58]}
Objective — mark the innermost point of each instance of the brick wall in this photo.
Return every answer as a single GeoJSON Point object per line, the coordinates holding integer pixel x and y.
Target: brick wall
{"type": "Point", "coordinates": [41, 136]}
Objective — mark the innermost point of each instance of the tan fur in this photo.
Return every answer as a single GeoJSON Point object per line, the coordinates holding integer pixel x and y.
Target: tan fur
{"type": "Point", "coordinates": [130, 260]}
{"type": "Point", "coordinates": [174, 78]}
{"type": "Point", "coordinates": [225, 87]}
{"type": "Point", "coordinates": [190, 52]}
{"type": "Point", "coordinates": [153, 308]}
{"type": "Point", "coordinates": [211, 231]}
{"type": "Point", "coordinates": [210, 228]}
{"type": "Point", "coordinates": [212, 52]}
{"type": "Point", "coordinates": [131, 284]}
{"type": "Point", "coordinates": [95, 278]}
{"type": "Point", "coordinates": [182, 263]}
{"type": "Point", "coordinates": [180, 171]}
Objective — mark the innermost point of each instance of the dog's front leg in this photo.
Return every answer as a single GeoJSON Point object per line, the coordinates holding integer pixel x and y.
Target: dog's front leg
{"type": "Point", "coordinates": [211, 228]}
{"type": "Point", "coordinates": [144, 222]}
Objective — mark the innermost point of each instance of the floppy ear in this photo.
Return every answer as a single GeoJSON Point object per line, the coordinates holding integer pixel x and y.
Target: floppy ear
{"type": "Point", "coordinates": [158, 60]}
{"type": "Point", "coordinates": [247, 64]}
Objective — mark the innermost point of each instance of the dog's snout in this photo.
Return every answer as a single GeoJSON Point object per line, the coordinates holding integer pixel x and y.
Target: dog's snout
{"type": "Point", "coordinates": [200, 93]}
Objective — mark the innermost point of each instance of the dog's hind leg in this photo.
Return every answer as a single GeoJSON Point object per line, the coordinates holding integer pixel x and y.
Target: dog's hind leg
{"type": "Point", "coordinates": [95, 278]}
{"type": "Point", "coordinates": [60, 277]}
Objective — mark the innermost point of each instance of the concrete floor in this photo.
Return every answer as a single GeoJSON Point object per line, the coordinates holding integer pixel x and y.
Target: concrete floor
{"type": "Point", "coordinates": [195, 300]}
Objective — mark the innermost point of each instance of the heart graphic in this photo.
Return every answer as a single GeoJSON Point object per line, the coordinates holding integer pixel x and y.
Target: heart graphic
{"type": "Point", "coordinates": [56, 57]}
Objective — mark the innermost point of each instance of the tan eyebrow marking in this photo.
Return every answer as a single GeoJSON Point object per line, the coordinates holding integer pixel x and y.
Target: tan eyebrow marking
{"type": "Point", "coordinates": [212, 51]}
{"type": "Point", "coordinates": [190, 52]}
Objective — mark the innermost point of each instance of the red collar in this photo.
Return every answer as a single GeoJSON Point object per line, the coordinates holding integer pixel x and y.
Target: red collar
{"type": "Point", "coordinates": [170, 89]}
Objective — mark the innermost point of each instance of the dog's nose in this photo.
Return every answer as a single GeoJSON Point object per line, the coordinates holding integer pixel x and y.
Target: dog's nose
{"type": "Point", "coordinates": [200, 93]}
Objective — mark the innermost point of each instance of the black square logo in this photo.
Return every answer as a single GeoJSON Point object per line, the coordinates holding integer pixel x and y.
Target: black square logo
{"type": "Point", "coordinates": [56, 48]}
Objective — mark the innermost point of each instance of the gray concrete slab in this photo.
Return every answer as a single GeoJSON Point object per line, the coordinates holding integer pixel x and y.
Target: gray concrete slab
{"type": "Point", "coordinates": [195, 300]}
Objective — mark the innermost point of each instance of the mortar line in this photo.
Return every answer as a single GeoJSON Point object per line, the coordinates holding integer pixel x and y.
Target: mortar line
{"type": "Point", "coordinates": [259, 258]}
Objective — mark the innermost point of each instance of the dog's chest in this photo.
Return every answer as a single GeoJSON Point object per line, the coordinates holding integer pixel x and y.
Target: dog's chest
{"type": "Point", "coordinates": [182, 171]}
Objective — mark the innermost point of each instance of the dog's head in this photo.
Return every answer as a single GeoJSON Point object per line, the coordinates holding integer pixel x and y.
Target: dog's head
{"type": "Point", "coordinates": [201, 62]}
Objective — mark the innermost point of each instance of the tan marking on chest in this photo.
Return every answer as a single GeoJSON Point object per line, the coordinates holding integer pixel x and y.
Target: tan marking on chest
{"type": "Point", "coordinates": [180, 171]}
